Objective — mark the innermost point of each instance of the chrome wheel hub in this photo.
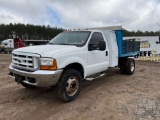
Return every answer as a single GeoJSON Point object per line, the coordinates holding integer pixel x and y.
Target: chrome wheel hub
{"type": "Point", "coordinates": [72, 86]}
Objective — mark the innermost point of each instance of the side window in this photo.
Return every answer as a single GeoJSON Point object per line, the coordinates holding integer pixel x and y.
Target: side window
{"type": "Point", "coordinates": [96, 37]}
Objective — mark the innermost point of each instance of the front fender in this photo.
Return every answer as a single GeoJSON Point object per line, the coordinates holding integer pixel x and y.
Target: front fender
{"type": "Point", "coordinates": [65, 62]}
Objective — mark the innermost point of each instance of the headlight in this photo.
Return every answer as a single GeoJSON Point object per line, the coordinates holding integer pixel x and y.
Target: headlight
{"type": "Point", "coordinates": [48, 64]}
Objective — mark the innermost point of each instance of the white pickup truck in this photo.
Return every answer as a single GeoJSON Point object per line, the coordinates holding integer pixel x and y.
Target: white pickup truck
{"type": "Point", "coordinates": [71, 57]}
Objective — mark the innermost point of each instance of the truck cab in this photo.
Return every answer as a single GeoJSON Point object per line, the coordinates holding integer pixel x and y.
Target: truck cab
{"type": "Point", "coordinates": [68, 59]}
{"type": "Point", "coordinates": [10, 44]}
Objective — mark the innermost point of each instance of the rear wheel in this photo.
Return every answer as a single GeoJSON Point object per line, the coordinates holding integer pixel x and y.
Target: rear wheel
{"type": "Point", "coordinates": [69, 85]}
{"type": "Point", "coordinates": [130, 66]}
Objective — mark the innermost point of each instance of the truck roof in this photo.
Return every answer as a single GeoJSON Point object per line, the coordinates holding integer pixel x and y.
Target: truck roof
{"type": "Point", "coordinates": [7, 40]}
{"type": "Point", "coordinates": [105, 28]}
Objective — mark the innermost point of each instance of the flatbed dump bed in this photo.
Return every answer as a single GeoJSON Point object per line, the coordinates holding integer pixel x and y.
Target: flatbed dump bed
{"type": "Point", "coordinates": [128, 47]}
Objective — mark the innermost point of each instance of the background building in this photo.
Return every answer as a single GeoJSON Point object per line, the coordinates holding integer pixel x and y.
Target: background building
{"type": "Point", "coordinates": [149, 47]}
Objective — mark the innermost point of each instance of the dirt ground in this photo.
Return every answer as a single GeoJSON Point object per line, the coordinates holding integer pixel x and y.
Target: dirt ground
{"type": "Point", "coordinates": [112, 97]}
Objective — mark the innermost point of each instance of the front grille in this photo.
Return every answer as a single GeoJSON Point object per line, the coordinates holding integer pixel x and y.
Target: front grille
{"type": "Point", "coordinates": [25, 61]}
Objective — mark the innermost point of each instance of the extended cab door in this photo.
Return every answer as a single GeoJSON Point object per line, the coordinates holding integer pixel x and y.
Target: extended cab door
{"type": "Point", "coordinates": [113, 60]}
{"type": "Point", "coordinates": [97, 60]}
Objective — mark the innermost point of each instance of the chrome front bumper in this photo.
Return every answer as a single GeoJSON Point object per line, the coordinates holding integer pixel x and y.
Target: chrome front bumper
{"type": "Point", "coordinates": [42, 78]}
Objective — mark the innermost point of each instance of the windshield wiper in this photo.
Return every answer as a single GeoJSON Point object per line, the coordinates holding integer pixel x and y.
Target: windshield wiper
{"type": "Point", "coordinates": [63, 44]}
{"type": "Point", "coordinates": [66, 44]}
{"type": "Point", "coordinates": [51, 43]}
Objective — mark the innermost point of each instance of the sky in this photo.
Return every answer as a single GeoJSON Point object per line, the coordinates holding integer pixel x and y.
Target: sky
{"type": "Point", "coordinates": [134, 15]}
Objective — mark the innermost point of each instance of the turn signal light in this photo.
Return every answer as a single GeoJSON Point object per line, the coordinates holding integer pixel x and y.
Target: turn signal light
{"type": "Point", "coordinates": [53, 67]}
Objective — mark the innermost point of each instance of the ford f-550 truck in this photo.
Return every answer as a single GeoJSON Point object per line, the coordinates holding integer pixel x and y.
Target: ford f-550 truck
{"type": "Point", "coordinates": [71, 57]}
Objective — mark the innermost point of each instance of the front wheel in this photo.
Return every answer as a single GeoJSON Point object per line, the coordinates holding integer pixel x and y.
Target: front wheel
{"type": "Point", "coordinates": [69, 85]}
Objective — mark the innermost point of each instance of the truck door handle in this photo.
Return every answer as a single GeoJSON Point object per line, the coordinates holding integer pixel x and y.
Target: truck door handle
{"type": "Point", "coordinates": [106, 53]}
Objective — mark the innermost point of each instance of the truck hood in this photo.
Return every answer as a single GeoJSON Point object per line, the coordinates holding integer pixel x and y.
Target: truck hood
{"type": "Point", "coordinates": [46, 50]}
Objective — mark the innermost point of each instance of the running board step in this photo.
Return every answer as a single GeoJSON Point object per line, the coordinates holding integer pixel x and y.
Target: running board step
{"type": "Point", "coordinates": [90, 78]}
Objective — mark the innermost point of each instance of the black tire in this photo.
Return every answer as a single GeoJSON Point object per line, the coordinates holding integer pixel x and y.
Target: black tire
{"type": "Point", "coordinates": [122, 66]}
{"type": "Point", "coordinates": [130, 66]}
{"type": "Point", "coordinates": [27, 86]}
{"type": "Point", "coordinates": [69, 85]}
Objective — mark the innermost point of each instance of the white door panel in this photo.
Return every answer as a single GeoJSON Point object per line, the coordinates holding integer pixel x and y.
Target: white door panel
{"type": "Point", "coordinates": [98, 61]}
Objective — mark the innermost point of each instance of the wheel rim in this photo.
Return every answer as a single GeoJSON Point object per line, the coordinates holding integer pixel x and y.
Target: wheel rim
{"type": "Point", "coordinates": [132, 66]}
{"type": "Point", "coordinates": [72, 85]}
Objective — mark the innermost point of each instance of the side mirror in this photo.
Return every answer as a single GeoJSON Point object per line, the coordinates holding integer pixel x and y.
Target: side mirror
{"type": "Point", "coordinates": [92, 47]}
{"type": "Point", "coordinates": [102, 45]}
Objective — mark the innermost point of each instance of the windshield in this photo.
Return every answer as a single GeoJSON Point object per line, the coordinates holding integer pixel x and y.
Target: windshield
{"type": "Point", "coordinates": [77, 38]}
